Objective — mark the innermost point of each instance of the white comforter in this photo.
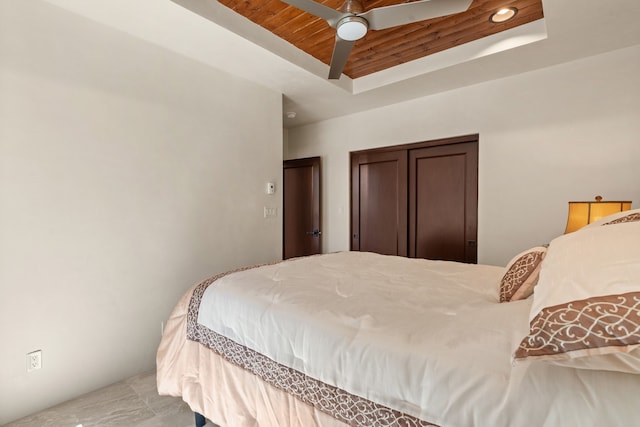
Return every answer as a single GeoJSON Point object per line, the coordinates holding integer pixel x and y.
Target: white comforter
{"type": "Point", "coordinates": [427, 338]}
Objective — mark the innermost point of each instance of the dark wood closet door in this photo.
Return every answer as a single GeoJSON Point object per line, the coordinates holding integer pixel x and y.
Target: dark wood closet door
{"type": "Point", "coordinates": [301, 212]}
{"type": "Point", "coordinates": [418, 200]}
{"type": "Point", "coordinates": [443, 199]}
{"type": "Point", "coordinates": [379, 202]}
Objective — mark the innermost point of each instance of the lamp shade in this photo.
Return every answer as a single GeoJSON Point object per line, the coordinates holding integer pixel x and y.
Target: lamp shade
{"type": "Point", "coordinates": [583, 213]}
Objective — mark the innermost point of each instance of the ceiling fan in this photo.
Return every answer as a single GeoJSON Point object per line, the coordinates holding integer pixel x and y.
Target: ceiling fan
{"type": "Point", "coordinates": [352, 22]}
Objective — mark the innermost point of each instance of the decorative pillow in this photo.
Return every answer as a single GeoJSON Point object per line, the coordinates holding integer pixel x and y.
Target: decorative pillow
{"type": "Point", "coordinates": [586, 308]}
{"type": "Point", "coordinates": [522, 274]}
{"type": "Point", "coordinates": [624, 216]}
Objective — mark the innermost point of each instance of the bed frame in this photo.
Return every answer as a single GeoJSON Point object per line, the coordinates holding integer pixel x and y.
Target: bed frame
{"type": "Point", "coordinates": [200, 420]}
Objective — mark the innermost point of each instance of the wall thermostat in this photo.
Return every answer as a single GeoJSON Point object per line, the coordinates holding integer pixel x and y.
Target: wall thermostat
{"type": "Point", "coordinates": [271, 187]}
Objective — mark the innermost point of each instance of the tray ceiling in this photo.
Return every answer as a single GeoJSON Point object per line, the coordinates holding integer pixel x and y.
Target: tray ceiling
{"type": "Point", "coordinates": [213, 34]}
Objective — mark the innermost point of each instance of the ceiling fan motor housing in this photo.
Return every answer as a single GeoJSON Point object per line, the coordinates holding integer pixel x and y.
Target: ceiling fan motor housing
{"type": "Point", "coordinates": [352, 6]}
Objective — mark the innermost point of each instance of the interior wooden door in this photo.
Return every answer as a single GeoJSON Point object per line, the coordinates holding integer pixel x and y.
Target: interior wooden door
{"type": "Point", "coordinates": [301, 211]}
{"type": "Point", "coordinates": [443, 200]}
{"type": "Point", "coordinates": [379, 202]}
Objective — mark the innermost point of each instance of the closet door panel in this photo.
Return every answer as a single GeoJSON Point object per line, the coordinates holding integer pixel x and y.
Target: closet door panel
{"type": "Point", "coordinates": [443, 202]}
{"type": "Point", "coordinates": [379, 202]}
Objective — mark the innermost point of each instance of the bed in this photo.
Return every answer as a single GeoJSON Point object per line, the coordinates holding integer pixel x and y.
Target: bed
{"type": "Point", "coordinates": [362, 339]}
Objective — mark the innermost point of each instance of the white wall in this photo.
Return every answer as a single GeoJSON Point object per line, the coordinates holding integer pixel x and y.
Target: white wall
{"type": "Point", "coordinates": [127, 174]}
{"type": "Point", "coordinates": [563, 133]}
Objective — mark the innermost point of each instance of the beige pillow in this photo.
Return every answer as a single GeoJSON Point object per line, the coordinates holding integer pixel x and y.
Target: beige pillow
{"type": "Point", "coordinates": [586, 308]}
{"type": "Point", "coordinates": [616, 218]}
{"type": "Point", "coordinates": [632, 217]}
{"type": "Point", "coordinates": [522, 274]}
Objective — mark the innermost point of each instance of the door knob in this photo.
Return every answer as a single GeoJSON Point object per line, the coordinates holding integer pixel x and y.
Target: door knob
{"type": "Point", "coordinates": [315, 233]}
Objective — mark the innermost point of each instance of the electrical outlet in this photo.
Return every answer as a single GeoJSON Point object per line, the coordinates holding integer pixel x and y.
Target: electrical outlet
{"type": "Point", "coordinates": [162, 328]}
{"type": "Point", "coordinates": [34, 360]}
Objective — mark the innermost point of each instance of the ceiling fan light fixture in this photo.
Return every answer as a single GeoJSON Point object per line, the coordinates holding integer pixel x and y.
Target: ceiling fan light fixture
{"type": "Point", "coordinates": [352, 28]}
{"type": "Point", "coordinates": [504, 14]}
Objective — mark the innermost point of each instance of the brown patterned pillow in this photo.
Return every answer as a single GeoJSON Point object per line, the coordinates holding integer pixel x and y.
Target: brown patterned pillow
{"type": "Point", "coordinates": [586, 309]}
{"type": "Point", "coordinates": [522, 274]}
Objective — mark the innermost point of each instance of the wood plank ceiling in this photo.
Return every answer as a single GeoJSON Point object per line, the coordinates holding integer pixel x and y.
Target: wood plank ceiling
{"type": "Point", "coordinates": [383, 49]}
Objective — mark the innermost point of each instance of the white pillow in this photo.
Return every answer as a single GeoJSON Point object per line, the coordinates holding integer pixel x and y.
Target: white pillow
{"type": "Point", "coordinates": [586, 307]}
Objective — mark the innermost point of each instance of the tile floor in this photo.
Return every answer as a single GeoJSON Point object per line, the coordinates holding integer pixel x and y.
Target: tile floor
{"type": "Point", "coordinates": [133, 402]}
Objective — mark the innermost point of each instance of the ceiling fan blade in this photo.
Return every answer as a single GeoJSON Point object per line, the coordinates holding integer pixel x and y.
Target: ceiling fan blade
{"type": "Point", "coordinates": [332, 16]}
{"type": "Point", "coordinates": [341, 51]}
{"type": "Point", "coordinates": [380, 18]}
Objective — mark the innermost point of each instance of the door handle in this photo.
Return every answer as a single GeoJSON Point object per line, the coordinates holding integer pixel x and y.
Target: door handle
{"type": "Point", "coordinates": [315, 233]}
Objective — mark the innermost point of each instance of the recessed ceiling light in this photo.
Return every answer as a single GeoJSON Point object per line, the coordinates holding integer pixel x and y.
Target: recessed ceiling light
{"type": "Point", "coordinates": [291, 114]}
{"type": "Point", "coordinates": [504, 14]}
